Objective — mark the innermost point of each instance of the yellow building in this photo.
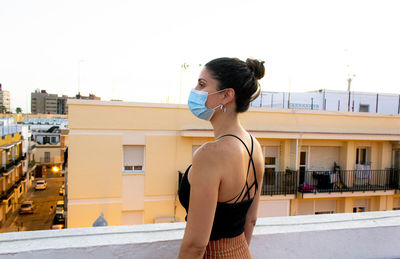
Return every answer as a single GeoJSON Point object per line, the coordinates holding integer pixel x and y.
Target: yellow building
{"type": "Point", "coordinates": [125, 159]}
{"type": "Point", "coordinates": [12, 178]}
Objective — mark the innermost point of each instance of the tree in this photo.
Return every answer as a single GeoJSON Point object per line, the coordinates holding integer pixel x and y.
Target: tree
{"type": "Point", "coordinates": [18, 110]}
{"type": "Point", "coordinates": [2, 109]}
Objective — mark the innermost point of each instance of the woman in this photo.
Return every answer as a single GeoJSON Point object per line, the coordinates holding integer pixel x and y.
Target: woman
{"type": "Point", "coordinates": [223, 184]}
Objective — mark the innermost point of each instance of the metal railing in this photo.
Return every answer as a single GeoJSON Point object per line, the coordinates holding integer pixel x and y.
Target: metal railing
{"type": "Point", "coordinates": [18, 160]}
{"type": "Point", "coordinates": [279, 183]}
{"type": "Point", "coordinates": [10, 165]}
{"type": "Point", "coordinates": [31, 163]}
{"type": "Point", "coordinates": [4, 195]}
{"type": "Point", "coordinates": [348, 180]}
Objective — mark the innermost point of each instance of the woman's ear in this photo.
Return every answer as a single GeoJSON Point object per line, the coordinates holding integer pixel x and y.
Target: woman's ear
{"type": "Point", "coordinates": [229, 95]}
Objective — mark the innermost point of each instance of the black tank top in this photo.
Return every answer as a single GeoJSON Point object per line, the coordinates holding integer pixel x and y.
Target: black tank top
{"type": "Point", "coordinates": [229, 218]}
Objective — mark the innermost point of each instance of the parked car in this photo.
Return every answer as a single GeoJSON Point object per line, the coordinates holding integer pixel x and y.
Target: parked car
{"type": "Point", "coordinates": [58, 223]}
{"type": "Point", "coordinates": [27, 207]}
{"type": "Point", "coordinates": [59, 214]}
{"type": "Point", "coordinates": [60, 205]}
{"type": "Point", "coordinates": [61, 191]}
{"type": "Point", "coordinates": [41, 185]}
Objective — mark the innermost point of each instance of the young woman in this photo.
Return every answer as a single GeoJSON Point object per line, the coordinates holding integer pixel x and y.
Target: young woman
{"type": "Point", "coordinates": [220, 190]}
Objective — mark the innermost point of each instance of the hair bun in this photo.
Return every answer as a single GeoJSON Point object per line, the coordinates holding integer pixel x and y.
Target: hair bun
{"type": "Point", "coordinates": [257, 67]}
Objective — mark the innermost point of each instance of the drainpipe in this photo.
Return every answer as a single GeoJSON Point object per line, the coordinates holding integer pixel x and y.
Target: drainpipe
{"type": "Point", "coordinates": [398, 106]}
{"type": "Point", "coordinates": [283, 100]}
{"type": "Point", "coordinates": [377, 99]}
{"type": "Point", "coordinates": [297, 154]}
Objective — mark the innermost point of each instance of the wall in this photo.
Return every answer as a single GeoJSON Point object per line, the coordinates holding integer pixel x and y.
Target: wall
{"type": "Point", "coordinates": [94, 179]}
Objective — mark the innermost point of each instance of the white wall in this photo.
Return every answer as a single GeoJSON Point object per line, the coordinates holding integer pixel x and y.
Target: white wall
{"type": "Point", "coordinates": [360, 235]}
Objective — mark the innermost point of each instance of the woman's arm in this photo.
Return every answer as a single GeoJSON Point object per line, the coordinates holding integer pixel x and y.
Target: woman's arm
{"type": "Point", "coordinates": [251, 217]}
{"type": "Point", "coordinates": [204, 185]}
{"type": "Point", "coordinates": [252, 213]}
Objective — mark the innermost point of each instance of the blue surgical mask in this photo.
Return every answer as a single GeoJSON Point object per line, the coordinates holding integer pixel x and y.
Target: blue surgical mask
{"type": "Point", "coordinates": [197, 104]}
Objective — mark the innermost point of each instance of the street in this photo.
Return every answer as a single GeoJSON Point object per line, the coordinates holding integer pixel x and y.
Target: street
{"type": "Point", "coordinates": [43, 215]}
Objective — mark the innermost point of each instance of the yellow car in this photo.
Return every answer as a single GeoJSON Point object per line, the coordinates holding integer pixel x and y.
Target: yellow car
{"type": "Point", "coordinates": [27, 207]}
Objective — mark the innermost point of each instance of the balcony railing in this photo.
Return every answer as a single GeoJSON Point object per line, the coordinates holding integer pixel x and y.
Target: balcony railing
{"type": "Point", "coordinates": [348, 180]}
{"type": "Point", "coordinates": [18, 160]}
{"type": "Point", "coordinates": [31, 163]}
{"type": "Point", "coordinates": [6, 194]}
{"type": "Point", "coordinates": [7, 167]}
{"type": "Point", "coordinates": [47, 160]}
{"type": "Point", "coordinates": [279, 183]}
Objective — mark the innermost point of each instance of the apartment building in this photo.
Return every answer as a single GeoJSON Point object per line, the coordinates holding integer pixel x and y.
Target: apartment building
{"type": "Point", "coordinates": [49, 137]}
{"type": "Point", "coordinates": [44, 103]}
{"type": "Point", "coordinates": [12, 174]}
{"type": "Point", "coordinates": [5, 99]}
{"type": "Point", "coordinates": [125, 160]}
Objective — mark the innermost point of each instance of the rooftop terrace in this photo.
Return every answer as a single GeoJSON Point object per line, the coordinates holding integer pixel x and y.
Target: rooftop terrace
{"type": "Point", "coordinates": [360, 235]}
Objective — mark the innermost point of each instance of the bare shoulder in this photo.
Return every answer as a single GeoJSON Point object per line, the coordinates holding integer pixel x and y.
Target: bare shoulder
{"type": "Point", "coordinates": [209, 152]}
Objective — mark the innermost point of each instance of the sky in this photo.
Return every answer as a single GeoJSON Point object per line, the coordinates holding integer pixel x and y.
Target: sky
{"type": "Point", "coordinates": [134, 50]}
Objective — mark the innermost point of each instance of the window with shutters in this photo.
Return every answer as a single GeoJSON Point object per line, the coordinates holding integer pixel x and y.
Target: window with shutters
{"type": "Point", "coordinates": [133, 156]}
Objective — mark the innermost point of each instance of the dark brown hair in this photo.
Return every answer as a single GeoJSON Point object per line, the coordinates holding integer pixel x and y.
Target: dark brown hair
{"type": "Point", "coordinates": [240, 76]}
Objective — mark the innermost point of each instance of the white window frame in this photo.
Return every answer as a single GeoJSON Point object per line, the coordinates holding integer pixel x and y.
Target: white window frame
{"type": "Point", "coordinates": [133, 171]}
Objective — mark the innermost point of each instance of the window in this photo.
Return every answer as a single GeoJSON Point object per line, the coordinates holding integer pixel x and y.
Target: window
{"type": "Point", "coordinates": [323, 212]}
{"type": "Point", "coordinates": [364, 108]}
{"type": "Point", "coordinates": [9, 202]}
{"type": "Point", "coordinates": [270, 164]}
{"type": "Point", "coordinates": [46, 140]}
{"type": "Point", "coordinates": [362, 156]}
{"type": "Point", "coordinates": [53, 140]}
{"type": "Point", "coordinates": [397, 159]}
{"type": "Point", "coordinates": [47, 157]}
{"type": "Point", "coordinates": [358, 209]}
{"type": "Point", "coordinates": [133, 158]}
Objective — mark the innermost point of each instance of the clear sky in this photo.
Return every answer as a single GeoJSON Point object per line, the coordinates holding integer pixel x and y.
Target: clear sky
{"type": "Point", "coordinates": [133, 50]}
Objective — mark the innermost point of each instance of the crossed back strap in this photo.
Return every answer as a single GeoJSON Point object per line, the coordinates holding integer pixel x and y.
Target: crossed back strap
{"type": "Point", "coordinates": [251, 162]}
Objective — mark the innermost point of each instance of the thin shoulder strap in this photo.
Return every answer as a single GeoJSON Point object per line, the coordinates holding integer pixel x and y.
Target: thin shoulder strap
{"type": "Point", "coordinates": [251, 162]}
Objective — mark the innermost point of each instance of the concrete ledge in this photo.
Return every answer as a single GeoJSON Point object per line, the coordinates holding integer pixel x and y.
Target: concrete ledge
{"type": "Point", "coordinates": [361, 235]}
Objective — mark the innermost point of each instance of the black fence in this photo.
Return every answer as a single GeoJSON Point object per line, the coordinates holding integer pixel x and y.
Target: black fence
{"type": "Point", "coordinates": [348, 180]}
{"type": "Point", "coordinates": [279, 183]}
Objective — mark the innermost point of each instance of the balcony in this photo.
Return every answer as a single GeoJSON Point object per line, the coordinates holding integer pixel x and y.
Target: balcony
{"type": "Point", "coordinates": [349, 181]}
{"type": "Point", "coordinates": [18, 160]}
{"type": "Point", "coordinates": [47, 161]}
{"type": "Point", "coordinates": [4, 195]}
{"type": "Point", "coordinates": [360, 235]}
{"type": "Point", "coordinates": [31, 164]}
{"type": "Point", "coordinates": [279, 183]}
{"type": "Point", "coordinates": [7, 167]}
